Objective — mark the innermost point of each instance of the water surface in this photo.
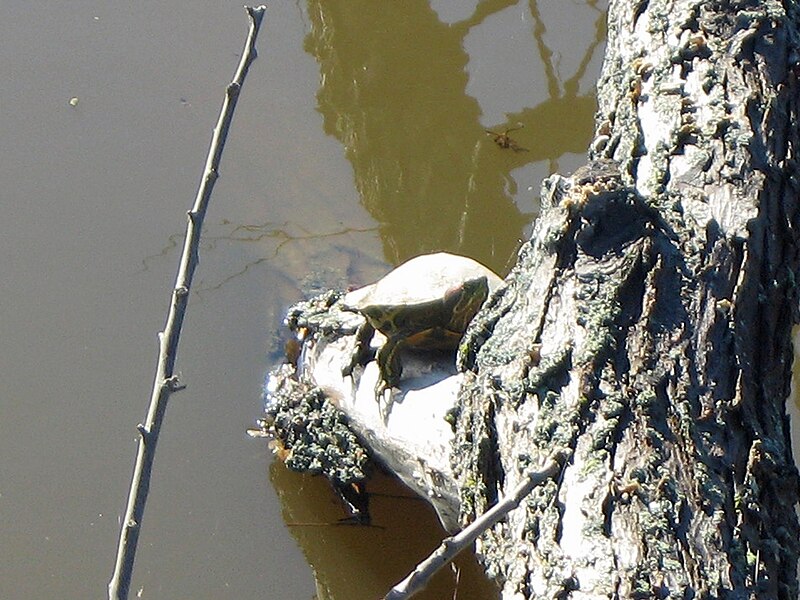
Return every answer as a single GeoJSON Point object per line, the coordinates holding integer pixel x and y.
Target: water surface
{"type": "Point", "coordinates": [360, 140]}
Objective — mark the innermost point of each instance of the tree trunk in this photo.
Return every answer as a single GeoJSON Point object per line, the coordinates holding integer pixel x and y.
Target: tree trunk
{"type": "Point", "coordinates": [646, 328]}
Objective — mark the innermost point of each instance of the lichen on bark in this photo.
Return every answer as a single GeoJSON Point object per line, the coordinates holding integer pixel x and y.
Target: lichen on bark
{"type": "Point", "coordinates": [646, 327]}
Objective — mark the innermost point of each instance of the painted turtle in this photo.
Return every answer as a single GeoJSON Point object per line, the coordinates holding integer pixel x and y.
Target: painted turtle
{"type": "Point", "coordinates": [426, 303]}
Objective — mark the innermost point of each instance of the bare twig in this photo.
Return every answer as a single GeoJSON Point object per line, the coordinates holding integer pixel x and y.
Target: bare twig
{"type": "Point", "coordinates": [165, 381]}
{"type": "Point", "coordinates": [452, 546]}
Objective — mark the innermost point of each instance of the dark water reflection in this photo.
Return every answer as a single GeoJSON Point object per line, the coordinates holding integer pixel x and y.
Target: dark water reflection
{"type": "Point", "coordinates": [363, 562]}
{"type": "Point", "coordinates": [393, 91]}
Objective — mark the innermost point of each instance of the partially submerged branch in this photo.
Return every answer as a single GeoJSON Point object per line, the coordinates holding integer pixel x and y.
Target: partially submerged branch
{"type": "Point", "coordinates": [452, 546]}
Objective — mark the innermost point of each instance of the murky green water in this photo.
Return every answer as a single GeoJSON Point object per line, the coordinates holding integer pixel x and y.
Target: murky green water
{"type": "Point", "coordinates": [397, 91]}
{"type": "Point", "coordinates": [360, 140]}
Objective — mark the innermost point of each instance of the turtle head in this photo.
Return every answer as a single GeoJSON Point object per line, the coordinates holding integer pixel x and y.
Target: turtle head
{"type": "Point", "coordinates": [466, 299]}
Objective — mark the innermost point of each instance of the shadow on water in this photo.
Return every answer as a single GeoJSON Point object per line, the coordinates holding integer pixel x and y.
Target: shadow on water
{"type": "Point", "coordinates": [393, 91]}
{"type": "Point", "coordinates": [352, 561]}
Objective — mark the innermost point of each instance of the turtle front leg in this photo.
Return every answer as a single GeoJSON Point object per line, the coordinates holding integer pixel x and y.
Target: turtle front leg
{"type": "Point", "coordinates": [362, 351]}
{"type": "Point", "coordinates": [389, 366]}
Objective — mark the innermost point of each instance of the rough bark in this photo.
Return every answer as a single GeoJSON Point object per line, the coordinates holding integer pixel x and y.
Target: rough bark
{"type": "Point", "coordinates": [646, 328]}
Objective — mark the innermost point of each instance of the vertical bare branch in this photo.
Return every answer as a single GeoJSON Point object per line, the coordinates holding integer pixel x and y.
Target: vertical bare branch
{"type": "Point", "coordinates": [165, 381]}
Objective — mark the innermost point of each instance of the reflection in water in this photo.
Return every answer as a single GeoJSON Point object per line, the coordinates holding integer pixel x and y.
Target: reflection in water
{"type": "Point", "coordinates": [564, 122]}
{"type": "Point", "coordinates": [276, 237]}
{"type": "Point", "coordinates": [393, 91]}
{"type": "Point", "coordinates": [357, 562]}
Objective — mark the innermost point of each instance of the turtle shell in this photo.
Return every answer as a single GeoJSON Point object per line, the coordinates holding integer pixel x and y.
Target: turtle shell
{"type": "Point", "coordinates": [421, 294]}
{"type": "Point", "coordinates": [422, 279]}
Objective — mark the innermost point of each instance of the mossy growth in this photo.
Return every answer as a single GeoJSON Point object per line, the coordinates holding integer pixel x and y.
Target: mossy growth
{"type": "Point", "coordinates": [315, 436]}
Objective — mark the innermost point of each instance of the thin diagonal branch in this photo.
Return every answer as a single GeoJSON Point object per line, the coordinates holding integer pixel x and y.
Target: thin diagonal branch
{"type": "Point", "coordinates": [165, 381]}
{"type": "Point", "coordinates": [452, 546]}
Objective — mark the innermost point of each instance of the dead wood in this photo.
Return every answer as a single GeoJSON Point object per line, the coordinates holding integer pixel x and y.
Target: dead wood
{"type": "Point", "coordinates": [646, 327]}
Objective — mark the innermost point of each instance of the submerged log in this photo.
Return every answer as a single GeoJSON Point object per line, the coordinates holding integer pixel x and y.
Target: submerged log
{"type": "Point", "coordinates": [645, 332]}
